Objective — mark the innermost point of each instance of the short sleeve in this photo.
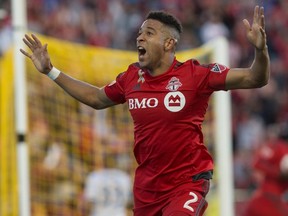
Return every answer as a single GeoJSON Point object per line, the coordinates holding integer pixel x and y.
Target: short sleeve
{"type": "Point", "coordinates": [217, 76]}
{"type": "Point", "coordinates": [115, 90]}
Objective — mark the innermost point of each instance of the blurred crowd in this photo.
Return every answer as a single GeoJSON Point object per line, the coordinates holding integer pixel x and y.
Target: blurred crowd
{"type": "Point", "coordinates": [115, 23]}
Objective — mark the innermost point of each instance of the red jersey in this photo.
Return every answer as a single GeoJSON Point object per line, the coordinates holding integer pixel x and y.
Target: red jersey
{"type": "Point", "coordinates": [269, 197]}
{"type": "Point", "coordinates": [168, 111]}
{"type": "Point", "coordinates": [268, 161]}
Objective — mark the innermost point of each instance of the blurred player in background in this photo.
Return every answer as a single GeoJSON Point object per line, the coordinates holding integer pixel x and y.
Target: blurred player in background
{"type": "Point", "coordinates": [107, 192]}
{"type": "Point", "coordinates": [167, 100]}
{"type": "Point", "coordinates": [271, 166]}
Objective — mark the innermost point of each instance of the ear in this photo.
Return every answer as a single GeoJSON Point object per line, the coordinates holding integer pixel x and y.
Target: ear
{"type": "Point", "coordinates": [170, 44]}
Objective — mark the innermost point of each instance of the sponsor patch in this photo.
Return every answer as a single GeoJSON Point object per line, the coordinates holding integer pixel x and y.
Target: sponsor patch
{"type": "Point", "coordinates": [218, 68]}
{"type": "Point", "coordinates": [174, 101]}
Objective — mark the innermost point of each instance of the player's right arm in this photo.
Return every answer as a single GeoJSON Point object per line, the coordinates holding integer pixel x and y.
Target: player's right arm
{"type": "Point", "coordinates": [257, 75]}
{"type": "Point", "coordinates": [85, 93]}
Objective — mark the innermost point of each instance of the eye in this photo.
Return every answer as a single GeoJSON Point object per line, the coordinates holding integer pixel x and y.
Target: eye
{"type": "Point", "coordinates": [149, 33]}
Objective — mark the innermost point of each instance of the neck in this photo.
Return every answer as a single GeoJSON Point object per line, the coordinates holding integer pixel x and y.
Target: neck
{"type": "Point", "coordinates": [162, 67]}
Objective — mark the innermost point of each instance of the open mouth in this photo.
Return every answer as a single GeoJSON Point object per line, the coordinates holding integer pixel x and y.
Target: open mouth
{"type": "Point", "coordinates": [141, 51]}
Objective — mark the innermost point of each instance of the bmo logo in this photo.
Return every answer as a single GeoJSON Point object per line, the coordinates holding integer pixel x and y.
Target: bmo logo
{"type": "Point", "coordinates": [174, 101]}
{"type": "Point", "coordinates": [135, 103]}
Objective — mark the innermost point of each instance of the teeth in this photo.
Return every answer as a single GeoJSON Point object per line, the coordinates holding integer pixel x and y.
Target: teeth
{"type": "Point", "coordinates": [141, 50]}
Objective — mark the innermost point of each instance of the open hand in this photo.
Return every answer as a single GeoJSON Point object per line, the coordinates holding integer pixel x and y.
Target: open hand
{"type": "Point", "coordinates": [256, 32]}
{"type": "Point", "coordinates": [39, 56]}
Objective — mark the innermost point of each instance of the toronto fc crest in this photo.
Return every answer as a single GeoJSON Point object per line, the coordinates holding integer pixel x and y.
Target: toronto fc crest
{"type": "Point", "coordinates": [173, 84]}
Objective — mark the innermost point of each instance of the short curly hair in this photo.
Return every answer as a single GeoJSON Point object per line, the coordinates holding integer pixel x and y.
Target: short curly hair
{"type": "Point", "coordinates": [166, 19]}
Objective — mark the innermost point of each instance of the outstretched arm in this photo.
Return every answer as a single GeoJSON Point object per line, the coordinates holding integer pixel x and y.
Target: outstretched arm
{"type": "Point", "coordinates": [257, 75]}
{"type": "Point", "coordinates": [88, 94]}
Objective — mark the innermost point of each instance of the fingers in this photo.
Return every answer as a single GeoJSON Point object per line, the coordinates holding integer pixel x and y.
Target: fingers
{"type": "Point", "coordinates": [37, 41]}
{"type": "Point", "coordinates": [25, 53]}
{"type": "Point", "coordinates": [262, 19]}
{"type": "Point", "coordinates": [29, 41]}
{"type": "Point", "coordinates": [45, 47]}
{"type": "Point", "coordinates": [263, 33]}
{"type": "Point", "coordinates": [259, 16]}
{"type": "Point", "coordinates": [32, 42]}
{"type": "Point", "coordinates": [256, 14]}
{"type": "Point", "coordinates": [247, 25]}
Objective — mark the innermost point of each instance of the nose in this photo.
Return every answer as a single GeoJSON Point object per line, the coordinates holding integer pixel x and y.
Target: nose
{"type": "Point", "coordinates": [139, 38]}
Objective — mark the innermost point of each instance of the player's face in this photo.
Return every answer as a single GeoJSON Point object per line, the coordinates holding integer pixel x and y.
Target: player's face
{"type": "Point", "coordinates": [150, 43]}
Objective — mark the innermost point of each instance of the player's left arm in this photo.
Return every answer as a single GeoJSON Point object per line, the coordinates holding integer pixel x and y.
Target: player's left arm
{"type": "Point", "coordinates": [257, 75]}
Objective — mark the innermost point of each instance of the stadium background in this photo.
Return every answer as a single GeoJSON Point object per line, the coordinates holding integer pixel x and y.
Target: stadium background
{"type": "Point", "coordinates": [110, 26]}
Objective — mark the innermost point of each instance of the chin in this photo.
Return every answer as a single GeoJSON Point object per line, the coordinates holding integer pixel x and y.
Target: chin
{"type": "Point", "coordinates": [142, 64]}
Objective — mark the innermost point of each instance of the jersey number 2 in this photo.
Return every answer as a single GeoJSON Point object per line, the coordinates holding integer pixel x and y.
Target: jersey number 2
{"type": "Point", "coordinates": [188, 202]}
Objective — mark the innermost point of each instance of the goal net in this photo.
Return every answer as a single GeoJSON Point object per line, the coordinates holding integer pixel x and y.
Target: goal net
{"type": "Point", "coordinates": [67, 140]}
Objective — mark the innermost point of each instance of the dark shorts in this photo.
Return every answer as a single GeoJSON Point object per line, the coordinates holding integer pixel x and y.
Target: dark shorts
{"type": "Point", "coordinates": [186, 200]}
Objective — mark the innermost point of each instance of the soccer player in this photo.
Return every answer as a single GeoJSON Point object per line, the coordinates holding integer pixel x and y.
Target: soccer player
{"type": "Point", "coordinates": [271, 163]}
{"type": "Point", "coordinates": [107, 192]}
{"type": "Point", "coordinates": [167, 100]}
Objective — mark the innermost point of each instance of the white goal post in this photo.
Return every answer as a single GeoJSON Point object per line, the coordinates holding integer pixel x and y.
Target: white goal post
{"type": "Point", "coordinates": [223, 133]}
